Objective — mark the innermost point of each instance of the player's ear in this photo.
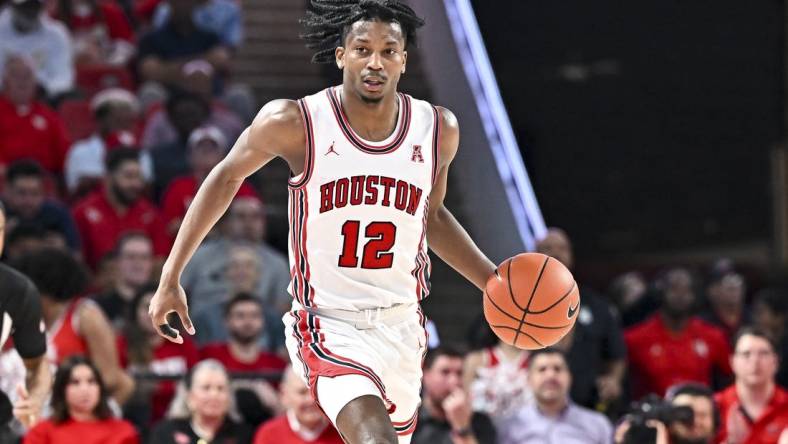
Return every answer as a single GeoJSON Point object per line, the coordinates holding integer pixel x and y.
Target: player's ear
{"type": "Point", "coordinates": [339, 53]}
{"type": "Point", "coordinates": [404, 61]}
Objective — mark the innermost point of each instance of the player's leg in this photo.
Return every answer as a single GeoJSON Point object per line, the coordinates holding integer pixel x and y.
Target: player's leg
{"type": "Point", "coordinates": [365, 420]}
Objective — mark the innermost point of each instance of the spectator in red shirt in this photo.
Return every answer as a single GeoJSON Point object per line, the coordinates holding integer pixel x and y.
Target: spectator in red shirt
{"type": "Point", "coordinates": [133, 260]}
{"type": "Point", "coordinates": [242, 353]}
{"type": "Point", "coordinates": [206, 147]}
{"type": "Point", "coordinates": [302, 423]}
{"type": "Point", "coordinates": [119, 207]}
{"type": "Point", "coordinates": [75, 325]}
{"type": "Point", "coordinates": [143, 352]}
{"type": "Point", "coordinates": [100, 31]}
{"type": "Point", "coordinates": [673, 346]}
{"type": "Point", "coordinates": [754, 410]}
{"type": "Point", "coordinates": [81, 412]}
{"type": "Point", "coordinates": [28, 128]}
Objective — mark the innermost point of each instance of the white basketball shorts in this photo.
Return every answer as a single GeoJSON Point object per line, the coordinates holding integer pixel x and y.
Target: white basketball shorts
{"type": "Point", "coordinates": [342, 355]}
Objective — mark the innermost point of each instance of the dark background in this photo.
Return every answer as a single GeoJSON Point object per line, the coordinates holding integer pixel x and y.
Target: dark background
{"type": "Point", "coordinates": [645, 126]}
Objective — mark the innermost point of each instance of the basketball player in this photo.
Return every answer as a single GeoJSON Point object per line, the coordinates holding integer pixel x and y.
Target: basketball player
{"type": "Point", "coordinates": [366, 196]}
{"type": "Point", "coordinates": [22, 321]}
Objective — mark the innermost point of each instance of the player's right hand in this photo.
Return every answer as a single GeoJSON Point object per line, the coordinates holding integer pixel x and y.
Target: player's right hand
{"type": "Point", "coordinates": [169, 299]}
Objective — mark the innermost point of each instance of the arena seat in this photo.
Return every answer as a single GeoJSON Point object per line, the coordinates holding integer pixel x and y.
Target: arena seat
{"type": "Point", "coordinates": [94, 78]}
{"type": "Point", "coordinates": [78, 118]}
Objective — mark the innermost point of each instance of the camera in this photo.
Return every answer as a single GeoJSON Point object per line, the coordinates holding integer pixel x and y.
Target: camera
{"type": "Point", "coordinates": [653, 407]}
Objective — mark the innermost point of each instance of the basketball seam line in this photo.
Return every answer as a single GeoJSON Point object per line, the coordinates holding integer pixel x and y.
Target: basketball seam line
{"type": "Point", "coordinates": [514, 318]}
{"type": "Point", "coordinates": [531, 298]}
{"type": "Point", "coordinates": [574, 284]}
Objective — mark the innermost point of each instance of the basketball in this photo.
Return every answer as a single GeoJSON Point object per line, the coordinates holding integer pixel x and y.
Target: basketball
{"type": "Point", "coordinates": [531, 301]}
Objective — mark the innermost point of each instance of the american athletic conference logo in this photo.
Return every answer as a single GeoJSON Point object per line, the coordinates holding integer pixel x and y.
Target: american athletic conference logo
{"type": "Point", "coordinates": [416, 155]}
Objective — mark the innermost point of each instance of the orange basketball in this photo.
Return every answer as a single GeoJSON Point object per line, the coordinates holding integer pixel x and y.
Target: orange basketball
{"type": "Point", "coordinates": [532, 301]}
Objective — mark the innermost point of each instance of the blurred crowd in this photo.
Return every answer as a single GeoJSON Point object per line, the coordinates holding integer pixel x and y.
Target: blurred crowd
{"type": "Point", "coordinates": [113, 112]}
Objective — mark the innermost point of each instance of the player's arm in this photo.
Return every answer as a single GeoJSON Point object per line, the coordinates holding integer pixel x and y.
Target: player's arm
{"type": "Point", "coordinates": [446, 237]}
{"type": "Point", "coordinates": [277, 131]}
{"type": "Point", "coordinates": [100, 339]}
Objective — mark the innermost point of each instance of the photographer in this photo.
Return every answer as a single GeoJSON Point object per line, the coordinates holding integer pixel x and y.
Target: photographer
{"type": "Point", "coordinates": [687, 416]}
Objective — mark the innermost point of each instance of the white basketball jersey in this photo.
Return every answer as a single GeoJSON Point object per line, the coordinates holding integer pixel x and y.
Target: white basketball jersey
{"type": "Point", "coordinates": [358, 212]}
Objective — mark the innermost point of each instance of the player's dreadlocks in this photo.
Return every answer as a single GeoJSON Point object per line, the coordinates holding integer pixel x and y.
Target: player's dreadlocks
{"type": "Point", "coordinates": [328, 22]}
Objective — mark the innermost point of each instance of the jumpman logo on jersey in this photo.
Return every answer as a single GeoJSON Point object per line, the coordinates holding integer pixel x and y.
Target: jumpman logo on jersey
{"type": "Point", "coordinates": [416, 156]}
{"type": "Point", "coordinates": [331, 150]}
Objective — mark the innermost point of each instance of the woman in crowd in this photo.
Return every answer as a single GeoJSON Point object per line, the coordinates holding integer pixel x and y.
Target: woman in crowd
{"type": "Point", "coordinates": [75, 325]}
{"type": "Point", "coordinates": [143, 352]}
{"type": "Point", "coordinates": [200, 412]}
{"type": "Point", "coordinates": [80, 410]}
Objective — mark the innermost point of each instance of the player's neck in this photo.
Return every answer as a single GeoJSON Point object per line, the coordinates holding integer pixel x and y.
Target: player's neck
{"type": "Point", "coordinates": [374, 121]}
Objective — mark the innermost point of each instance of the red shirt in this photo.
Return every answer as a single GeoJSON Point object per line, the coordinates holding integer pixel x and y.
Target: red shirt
{"type": "Point", "coordinates": [180, 193]}
{"type": "Point", "coordinates": [278, 431]}
{"type": "Point", "coordinates": [168, 359]}
{"type": "Point", "coordinates": [659, 358]}
{"type": "Point", "coordinates": [265, 362]}
{"type": "Point", "coordinates": [108, 431]}
{"type": "Point", "coordinates": [65, 340]}
{"type": "Point", "coordinates": [100, 225]}
{"type": "Point", "coordinates": [735, 423]}
{"type": "Point", "coordinates": [34, 132]}
{"type": "Point", "coordinates": [111, 16]}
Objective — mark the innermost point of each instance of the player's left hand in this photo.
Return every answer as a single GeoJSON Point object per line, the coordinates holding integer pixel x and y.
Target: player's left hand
{"type": "Point", "coordinates": [457, 407]}
{"type": "Point", "coordinates": [27, 409]}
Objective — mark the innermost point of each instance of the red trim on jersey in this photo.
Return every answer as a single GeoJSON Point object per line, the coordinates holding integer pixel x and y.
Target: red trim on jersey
{"type": "Point", "coordinates": [422, 259]}
{"type": "Point", "coordinates": [310, 291]}
{"type": "Point", "coordinates": [406, 427]}
{"type": "Point", "coordinates": [304, 293]}
{"type": "Point", "coordinates": [352, 137]}
{"type": "Point", "coordinates": [322, 362]}
{"type": "Point", "coordinates": [309, 160]}
{"type": "Point", "coordinates": [423, 323]}
{"type": "Point", "coordinates": [436, 138]}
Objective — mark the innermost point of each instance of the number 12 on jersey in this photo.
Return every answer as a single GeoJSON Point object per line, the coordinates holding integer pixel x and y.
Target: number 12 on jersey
{"type": "Point", "coordinates": [376, 254]}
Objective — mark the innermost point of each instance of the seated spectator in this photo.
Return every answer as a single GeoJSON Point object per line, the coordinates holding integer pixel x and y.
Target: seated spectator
{"type": "Point", "coordinates": [770, 314]}
{"type": "Point", "coordinates": [701, 430]}
{"type": "Point", "coordinates": [242, 353]}
{"type": "Point", "coordinates": [726, 291]}
{"type": "Point", "coordinates": [201, 410]}
{"type": "Point", "coordinates": [204, 276]}
{"type": "Point", "coordinates": [100, 31]}
{"type": "Point", "coordinates": [161, 128]}
{"type": "Point", "coordinates": [187, 112]}
{"type": "Point", "coordinates": [75, 325]}
{"type": "Point", "coordinates": [553, 417]}
{"type": "Point", "coordinates": [118, 207]}
{"type": "Point", "coordinates": [23, 239]}
{"type": "Point", "coordinates": [303, 421]}
{"type": "Point", "coordinates": [496, 378]}
{"type": "Point", "coordinates": [80, 410]}
{"type": "Point", "coordinates": [25, 29]}
{"type": "Point", "coordinates": [597, 357]}
{"type": "Point", "coordinates": [164, 51]}
{"type": "Point", "coordinates": [143, 352]}
{"type": "Point", "coordinates": [29, 129]}
{"type": "Point", "coordinates": [445, 415]}
{"type": "Point", "coordinates": [754, 409]}
{"type": "Point", "coordinates": [207, 147]}
{"type": "Point", "coordinates": [116, 112]}
{"type": "Point", "coordinates": [134, 269]}
{"type": "Point", "coordinates": [26, 202]}
{"type": "Point", "coordinates": [221, 17]}
{"type": "Point", "coordinates": [674, 346]}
